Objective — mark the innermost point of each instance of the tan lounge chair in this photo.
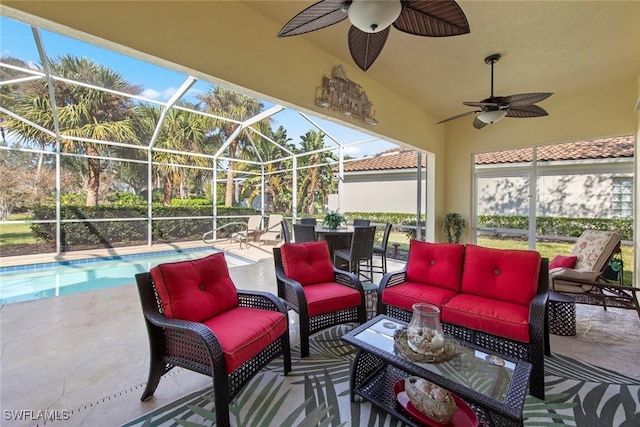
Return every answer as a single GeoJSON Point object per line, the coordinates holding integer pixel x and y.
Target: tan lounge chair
{"type": "Point", "coordinates": [584, 281]}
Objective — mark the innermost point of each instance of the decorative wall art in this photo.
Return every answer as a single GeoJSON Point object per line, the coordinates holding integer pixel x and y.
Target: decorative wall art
{"type": "Point", "coordinates": [338, 93]}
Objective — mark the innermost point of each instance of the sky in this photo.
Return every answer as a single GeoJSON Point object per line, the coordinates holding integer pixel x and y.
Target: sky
{"type": "Point", "coordinates": [159, 83]}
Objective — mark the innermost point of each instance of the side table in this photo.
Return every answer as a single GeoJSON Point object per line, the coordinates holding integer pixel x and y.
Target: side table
{"type": "Point", "coordinates": [562, 314]}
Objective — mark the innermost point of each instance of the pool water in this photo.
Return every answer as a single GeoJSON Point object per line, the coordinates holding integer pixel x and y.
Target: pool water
{"type": "Point", "coordinates": [38, 281]}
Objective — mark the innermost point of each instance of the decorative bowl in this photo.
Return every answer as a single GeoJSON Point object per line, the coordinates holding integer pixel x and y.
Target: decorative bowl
{"type": "Point", "coordinates": [430, 399]}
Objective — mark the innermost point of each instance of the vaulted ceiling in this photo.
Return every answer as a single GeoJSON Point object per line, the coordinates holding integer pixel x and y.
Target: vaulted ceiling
{"type": "Point", "coordinates": [564, 47]}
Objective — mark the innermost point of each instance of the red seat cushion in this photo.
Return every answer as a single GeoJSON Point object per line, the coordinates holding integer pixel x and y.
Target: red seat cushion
{"type": "Point", "coordinates": [500, 318]}
{"type": "Point", "coordinates": [501, 274]}
{"type": "Point", "coordinates": [307, 263]}
{"type": "Point", "coordinates": [563, 262]}
{"type": "Point", "coordinates": [195, 290]}
{"type": "Point", "coordinates": [244, 332]}
{"type": "Point", "coordinates": [330, 297]}
{"type": "Point", "coordinates": [435, 264]}
{"type": "Point", "coordinates": [409, 293]}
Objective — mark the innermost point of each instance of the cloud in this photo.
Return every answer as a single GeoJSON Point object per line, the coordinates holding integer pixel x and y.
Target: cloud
{"type": "Point", "coordinates": [164, 95]}
{"type": "Point", "coordinates": [151, 94]}
{"type": "Point", "coordinates": [168, 92]}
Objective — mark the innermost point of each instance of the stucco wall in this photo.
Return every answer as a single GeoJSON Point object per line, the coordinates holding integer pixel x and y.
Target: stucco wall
{"type": "Point", "coordinates": [387, 192]}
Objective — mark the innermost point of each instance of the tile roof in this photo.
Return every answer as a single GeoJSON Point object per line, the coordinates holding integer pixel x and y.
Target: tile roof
{"type": "Point", "coordinates": [605, 148]}
{"type": "Point", "coordinates": [405, 158]}
{"type": "Point", "coordinates": [395, 158]}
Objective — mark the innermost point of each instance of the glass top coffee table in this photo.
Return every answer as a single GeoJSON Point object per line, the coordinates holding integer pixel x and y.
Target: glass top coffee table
{"type": "Point", "coordinates": [494, 387]}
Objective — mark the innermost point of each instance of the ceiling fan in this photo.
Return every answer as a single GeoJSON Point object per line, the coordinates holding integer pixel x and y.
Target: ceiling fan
{"type": "Point", "coordinates": [372, 19]}
{"type": "Point", "coordinates": [495, 108]}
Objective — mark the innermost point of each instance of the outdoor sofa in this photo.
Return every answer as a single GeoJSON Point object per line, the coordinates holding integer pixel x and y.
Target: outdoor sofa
{"type": "Point", "coordinates": [494, 298]}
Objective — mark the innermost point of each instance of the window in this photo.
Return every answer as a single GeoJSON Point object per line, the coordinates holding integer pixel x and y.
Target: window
{"type": "Point", "coordinates": [622, 197]}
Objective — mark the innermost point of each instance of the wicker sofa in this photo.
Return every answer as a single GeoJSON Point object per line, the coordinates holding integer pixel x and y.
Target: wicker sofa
{"type": "Point", "coordinates": [494, 298]}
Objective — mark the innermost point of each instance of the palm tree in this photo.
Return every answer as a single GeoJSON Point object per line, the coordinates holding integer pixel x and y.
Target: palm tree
{"type": "Point", "coordinates": [82, 112]}
{"type": "Point", "coordinates": [180, 131]}
{"type": "Point", "coordinates": [317, 180]}
{"type": "Point", "coordinates": [227, 103]}
{"type": "Point", "coordinates": [277, 184]}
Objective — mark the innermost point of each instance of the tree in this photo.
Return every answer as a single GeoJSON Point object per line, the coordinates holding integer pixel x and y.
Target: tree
{"type": "Point", "coordinates": [181, 131]}
{"type": "Point", "coordinates": [316, 178]}
{"type": "Point", "coordinates": [238, 108]}
{"type": "Point", "coordinates": [81, 111]}
{"type": "Point", "coordinates": [278, 184]}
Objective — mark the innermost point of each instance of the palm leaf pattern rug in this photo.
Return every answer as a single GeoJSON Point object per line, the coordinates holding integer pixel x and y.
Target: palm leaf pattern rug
{"type": "Point", "coordinates": [316, 393]}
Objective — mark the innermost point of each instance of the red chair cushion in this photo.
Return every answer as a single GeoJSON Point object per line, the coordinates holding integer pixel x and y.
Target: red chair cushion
{"type": "Point", "coordinates": [195, 290]}
{"type": "Point", "coordinates": [436, 264]}
{"type": "Point", "coordinates": [563, 261]}
{"type": "Point", "coordinates": [244, 332]}
{"type": "Point", "coordinates": [500, 318]}
{"type": "Point", "coordinates": [307, 263]}
{"type": "Point", "coordinates": [330, 297]}
{"type": "Point", "coordinates": [409, 293]}
{"type": "Point", "coordinates": [501, 274]}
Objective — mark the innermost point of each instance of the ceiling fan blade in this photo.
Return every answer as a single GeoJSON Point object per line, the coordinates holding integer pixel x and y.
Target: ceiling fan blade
{"type": "Point", "coordinates": [482, 104]}
{"type": "Point", "coordinates": [365, 47]}
{"type": "Point", "coordinates": [317, 16]}
{"type": "Point", "coordinates": [526, 111]}
{"type": "Point", "coordinates": [468, 113]}
{"type": "Point", "coordinates": [522, 99]}
{"type": "Point", "coordinates": [432, 18]}
{"type": "Point", "coordinates": [478, 124]}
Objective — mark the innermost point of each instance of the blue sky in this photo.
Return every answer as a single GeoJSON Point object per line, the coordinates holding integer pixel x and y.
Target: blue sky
{"type": "Point", "coordinates": [159, 83]}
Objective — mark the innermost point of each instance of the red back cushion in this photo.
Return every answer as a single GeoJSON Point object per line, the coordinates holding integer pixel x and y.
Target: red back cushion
{"type": "Point", "coordinates": [501, 274]}
{"type": "Point", "coordinates": [197, 289]}
{"type": "Point", "coordinates": [307, 263]}
{"type": "Point", "coordinates": [563, 261]}
{"type": "Point", "coordinates": [436, 264]}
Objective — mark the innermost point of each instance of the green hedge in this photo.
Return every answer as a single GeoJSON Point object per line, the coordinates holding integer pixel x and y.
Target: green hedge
{"type": "Point", "coordinates": [559, 226]}
{"type": "Point", "coordinates": [106, 234]}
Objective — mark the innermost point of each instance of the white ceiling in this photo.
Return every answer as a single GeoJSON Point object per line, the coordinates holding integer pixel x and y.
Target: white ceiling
{"type": "Point", "coordinates": [564, 47]}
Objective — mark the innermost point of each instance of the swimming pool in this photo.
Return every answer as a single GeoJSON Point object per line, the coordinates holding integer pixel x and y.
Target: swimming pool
{"type": "Point", "coordinates": [36, 281]}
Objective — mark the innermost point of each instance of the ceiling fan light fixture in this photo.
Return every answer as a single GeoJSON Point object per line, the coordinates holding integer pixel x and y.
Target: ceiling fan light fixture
{"type": "Point", "coordinates": [372, 16]}
{"type": "Point", "coordinates": [493, 116]}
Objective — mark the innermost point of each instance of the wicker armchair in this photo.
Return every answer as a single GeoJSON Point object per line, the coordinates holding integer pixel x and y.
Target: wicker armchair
{"type": "Point", "coordinates": [210, 346]}
{"type": "Point", "coordinates": [322, 295]}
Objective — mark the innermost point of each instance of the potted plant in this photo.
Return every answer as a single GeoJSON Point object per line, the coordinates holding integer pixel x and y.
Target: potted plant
{"type": "Point", "coordinates": [333, 219]}
{"type": "Point", "coordinates": [453, 224]}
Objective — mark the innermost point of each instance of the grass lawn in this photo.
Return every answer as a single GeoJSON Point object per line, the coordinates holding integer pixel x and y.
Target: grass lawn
{"type": "Point", "coordinates": [13, 234]}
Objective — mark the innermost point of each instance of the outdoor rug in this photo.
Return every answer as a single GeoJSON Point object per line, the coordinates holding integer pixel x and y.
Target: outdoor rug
{"type": "Point", "coordinates": [316, 392]}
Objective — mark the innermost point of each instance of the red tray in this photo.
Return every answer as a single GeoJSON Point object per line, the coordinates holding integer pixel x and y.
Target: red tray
{"type": "Point", "coordinates": [464, 416]}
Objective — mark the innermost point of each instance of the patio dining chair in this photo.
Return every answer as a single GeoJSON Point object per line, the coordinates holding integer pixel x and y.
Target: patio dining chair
{"type": "Point", "coordinates": [197, 319]}
{"type": "Point", "coordinates": [381, 250]}
{"type": "Point", "coordinates": [286, 232]}
{"type": "Point", "coordinates": [360, 252]}
{"type": "Point", "coordinates": [304, 233]}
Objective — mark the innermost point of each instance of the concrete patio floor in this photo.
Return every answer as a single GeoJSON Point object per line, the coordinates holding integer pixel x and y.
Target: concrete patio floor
{"type": "Point", "coordinates": [87, 354]}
